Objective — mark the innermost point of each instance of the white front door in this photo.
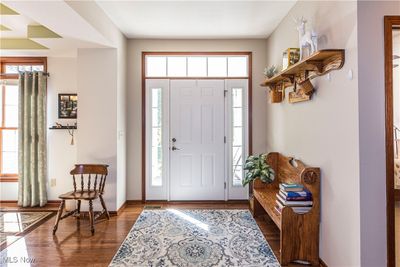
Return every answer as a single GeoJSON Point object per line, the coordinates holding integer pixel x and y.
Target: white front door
{"type": "Point", "coordinates": [197, 160]}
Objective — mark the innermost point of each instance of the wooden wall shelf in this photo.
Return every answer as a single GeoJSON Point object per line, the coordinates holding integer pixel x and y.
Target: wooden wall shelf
{"type": "Point", "coordinates": [300, 74]}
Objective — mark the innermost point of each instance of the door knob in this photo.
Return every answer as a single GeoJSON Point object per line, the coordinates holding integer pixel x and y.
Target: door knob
{"type": "Point", "coordinates": [174, 148]}
{"type": "Point", "coordinates": [174, 139]}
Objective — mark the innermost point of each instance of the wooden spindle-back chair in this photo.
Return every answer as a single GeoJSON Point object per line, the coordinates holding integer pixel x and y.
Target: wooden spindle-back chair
{"type": "Point", "coordinates": [89, 181]}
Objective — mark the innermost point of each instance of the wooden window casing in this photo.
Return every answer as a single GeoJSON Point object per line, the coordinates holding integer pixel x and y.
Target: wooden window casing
{"type": "Point", "coordinates": [4, 61]}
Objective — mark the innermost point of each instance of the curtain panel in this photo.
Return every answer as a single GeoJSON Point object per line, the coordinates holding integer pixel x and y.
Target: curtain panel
{"type": "Point", "coordinates": [32, 148]}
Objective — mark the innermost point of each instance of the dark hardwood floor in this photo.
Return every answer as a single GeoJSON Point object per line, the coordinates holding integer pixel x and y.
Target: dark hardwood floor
{"type": "Point", "coordinates": [73, 245]}
{"type": "Point", "coordinates": [397, 232]}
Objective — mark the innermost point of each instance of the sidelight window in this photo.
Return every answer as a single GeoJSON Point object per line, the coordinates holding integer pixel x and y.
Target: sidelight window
{"type": "Point", "coordinates": [156, 140]}
{"type": "Point", "coordinates": [237, 127]}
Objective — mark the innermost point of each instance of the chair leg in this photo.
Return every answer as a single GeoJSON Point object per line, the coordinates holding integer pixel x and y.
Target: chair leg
{"type": "Point", "coordinates": [59, 213]}
{"type": "Point", "coordinates": [104, 206]}
{"type": "Point", "coordinates": [91, 216]}
{"type": "Point", "coordinates": [78, 209]}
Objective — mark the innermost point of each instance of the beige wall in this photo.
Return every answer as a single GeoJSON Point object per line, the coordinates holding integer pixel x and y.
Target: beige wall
{"type": "Point", "coordinates": [122, 91]}
{"type": "Point", "coordinates": [63, 80]}
{"type": "Point", "coordinates": [134, 138]}
{"type": "Point", "coordinates": [97, 114]}
{"type": "Point", "coordinates": [323, 132]}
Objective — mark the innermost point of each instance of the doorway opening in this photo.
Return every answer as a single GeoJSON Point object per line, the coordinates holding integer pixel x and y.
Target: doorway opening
{"type": "Point", "coordinates": [392, 92]}
{"type": "Point", "coordinates": [196, 125]}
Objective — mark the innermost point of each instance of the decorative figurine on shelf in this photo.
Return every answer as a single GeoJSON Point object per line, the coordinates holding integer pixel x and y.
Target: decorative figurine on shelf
{"type": "Point", "coordinates": [306, 41]}
{"type": "Point", "coordinates": [314, 39]}
{"type": "Point", "coordinates": [58, 125]}
{"type": "Point", "coordinates": [269, 72]}
{"type": "Point", "coordinates": [71, 133]}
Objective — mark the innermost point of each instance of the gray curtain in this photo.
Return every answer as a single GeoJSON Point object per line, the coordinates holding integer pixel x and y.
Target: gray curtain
{"type": "Point", "coordinates": [32, 149]}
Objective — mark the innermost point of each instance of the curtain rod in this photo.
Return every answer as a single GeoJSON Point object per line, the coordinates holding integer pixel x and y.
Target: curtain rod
{"type": "Point", "coordinates": [9, 74]}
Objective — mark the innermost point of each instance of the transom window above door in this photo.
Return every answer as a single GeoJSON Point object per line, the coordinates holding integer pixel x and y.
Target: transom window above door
{"type": "Point", "coordinates": [197, 66]}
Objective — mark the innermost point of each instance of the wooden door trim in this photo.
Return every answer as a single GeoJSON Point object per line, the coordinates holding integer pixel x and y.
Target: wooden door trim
{"type": "Point", "coordinates": [198, 53]}
{"type": "Point", "coordinates": [389, 22]}
{"type": "Point", "coordinates": [250, 98]}
{"type": "Point", "coordinates": [143, 127]}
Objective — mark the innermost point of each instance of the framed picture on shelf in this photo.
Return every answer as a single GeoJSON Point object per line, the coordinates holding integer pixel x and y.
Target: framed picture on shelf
{"type": "Point", "coordinates": [67, 106]}
{"type": "Point", "coordinates": [290, 56]}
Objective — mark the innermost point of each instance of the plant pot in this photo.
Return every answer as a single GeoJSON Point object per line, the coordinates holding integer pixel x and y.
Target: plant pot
{"type": "Point", "coordinates": [275, 96]}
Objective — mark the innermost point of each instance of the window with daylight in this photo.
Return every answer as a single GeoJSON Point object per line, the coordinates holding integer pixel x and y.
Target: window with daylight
{"type": "Point", "coordinates": [218, 66]}
{"type": "Point", "coordinates": [237, 136]}
{"type": "Point", "coordinates": [171, 82]}
{"type": "Point", "coordinates": [197, 67]}
{"type": "Point", "coordinates": [10, 67]}
{"type": "Point", "coordinates": [156, 140]}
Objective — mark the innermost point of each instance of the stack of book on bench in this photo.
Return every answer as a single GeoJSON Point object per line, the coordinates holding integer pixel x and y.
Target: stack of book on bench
{"type": "Point", "coordinates": [295, 196]}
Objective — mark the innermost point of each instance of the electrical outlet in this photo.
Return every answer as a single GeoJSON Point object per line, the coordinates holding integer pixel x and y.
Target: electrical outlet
{"type": "Point", "coordinates": [53, 182]}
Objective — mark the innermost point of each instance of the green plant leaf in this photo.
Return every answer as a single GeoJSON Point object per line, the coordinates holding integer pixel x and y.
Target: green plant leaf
{"type": "Point", "coordinates": [257, 168]}
{"type": "Point", "coordinates": [249, 175]}
{"type": "Point", "coordinates": [249, 165]}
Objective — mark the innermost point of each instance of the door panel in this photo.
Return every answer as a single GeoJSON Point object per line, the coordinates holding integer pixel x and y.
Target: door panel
{"type": "Point", "coordinates": [207, 170]}
{"type": "Point", "coordinates": [197, 124]}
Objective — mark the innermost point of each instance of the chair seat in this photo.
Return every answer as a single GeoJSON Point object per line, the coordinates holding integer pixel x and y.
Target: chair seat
{"type": "Point", "coordinates": [86, 195]}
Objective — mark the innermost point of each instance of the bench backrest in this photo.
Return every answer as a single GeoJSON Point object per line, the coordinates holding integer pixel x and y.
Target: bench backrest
{"type": "Point", "coordinates": [290, 170]}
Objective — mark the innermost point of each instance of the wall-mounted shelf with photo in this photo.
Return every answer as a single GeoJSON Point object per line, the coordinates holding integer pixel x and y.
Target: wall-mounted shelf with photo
{"type": "Point", "coordinates": [70, 128]}
{"type": "Point", "coordinates": [299, 75]}
{"type": "Point", "coordinates": [63, 128]}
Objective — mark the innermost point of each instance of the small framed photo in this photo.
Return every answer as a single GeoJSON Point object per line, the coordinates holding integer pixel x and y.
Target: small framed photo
{"type": "Point", "coordinates": [67, 106]}
{"type": "Point", "coordinates": [290, 56]}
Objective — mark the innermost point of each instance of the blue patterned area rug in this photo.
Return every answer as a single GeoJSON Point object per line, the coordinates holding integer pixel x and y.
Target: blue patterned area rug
{"type": "Point", "coordinates": [174, 237]}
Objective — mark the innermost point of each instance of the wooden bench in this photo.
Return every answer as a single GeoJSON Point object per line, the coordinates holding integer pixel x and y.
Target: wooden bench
{"type": "Point", "coordinates": [299, 233]}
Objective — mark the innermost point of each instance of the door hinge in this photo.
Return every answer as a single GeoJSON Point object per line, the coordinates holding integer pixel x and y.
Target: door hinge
{"type": "Point", "coordinates": [225, 92]}
{"type": "Point", "coordinates": [224, 139]}
{"type": "Point", "coordinates": [224, 185]}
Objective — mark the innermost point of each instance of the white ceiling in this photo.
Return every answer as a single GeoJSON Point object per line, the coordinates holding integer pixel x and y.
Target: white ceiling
{"type": "Point", "coordinates": [196, 19]}
{"type": "Point", "coordinates": [57, 16]}
{"type": "Point", "coordinates": [142, 19]}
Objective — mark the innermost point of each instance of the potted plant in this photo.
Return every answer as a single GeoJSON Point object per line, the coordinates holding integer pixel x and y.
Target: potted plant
{"type": "Point", "coordinates": [270, 72]}
{"type": "Point", "coordinates": [257, 168]}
